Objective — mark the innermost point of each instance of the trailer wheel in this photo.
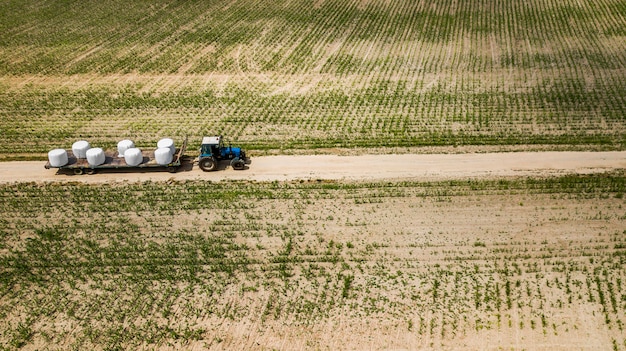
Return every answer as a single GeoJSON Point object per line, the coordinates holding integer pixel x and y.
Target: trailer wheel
{"type": "Point", "coordinates": [90, 171]}
{"type": "Point", "coordinates": [172, 169]}
{"type": "Point", "coordinates": [78, 171]}
{"type": "Point", "coordinates": [207, 164]}
{"type": "Point", "coordinates": [238, 164]}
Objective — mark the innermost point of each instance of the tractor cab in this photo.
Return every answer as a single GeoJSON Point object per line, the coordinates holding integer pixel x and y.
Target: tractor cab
{"type": "Point", "coordinates": [210, 146]}
{"type": "Point", "coordinates": [213, 150]}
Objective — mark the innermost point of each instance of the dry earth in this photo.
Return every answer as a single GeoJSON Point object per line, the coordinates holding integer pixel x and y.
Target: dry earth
{"type": "Point", "coordinates": [364, 167]}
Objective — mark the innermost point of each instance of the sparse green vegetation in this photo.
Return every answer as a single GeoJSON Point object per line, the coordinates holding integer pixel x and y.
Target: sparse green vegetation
{"type": "Point", "coordinates": [149, 264]}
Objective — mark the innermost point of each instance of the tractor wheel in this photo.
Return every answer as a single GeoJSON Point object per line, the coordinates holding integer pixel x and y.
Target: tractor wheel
{"type": "Point", "coordinates": [237, 164]}
{"type": "Point", "coordinates": [172, 169]}
{"type": "Point", "coordinates": [208, 164]}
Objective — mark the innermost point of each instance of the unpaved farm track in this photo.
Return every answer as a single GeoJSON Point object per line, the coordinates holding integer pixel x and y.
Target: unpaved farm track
{"type": "Point", "coordinates": [357, 168]}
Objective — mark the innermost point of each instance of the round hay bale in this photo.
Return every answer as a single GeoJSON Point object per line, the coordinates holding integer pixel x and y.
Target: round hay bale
{"type": "Point", "coordinates": [133, 157]}
{"type": "Point", "coordinates": [57, 157]}
{"type": "Point", "coordinates": [167, 143]}
{"type": "Point", "coordinates": [124, 145]}
{"type": "Point", "coordinates": [79, 148]}
{"type": "Point", "coordinates": [163, 156]}
{"type": "Point", "coordinates": [95, 156]}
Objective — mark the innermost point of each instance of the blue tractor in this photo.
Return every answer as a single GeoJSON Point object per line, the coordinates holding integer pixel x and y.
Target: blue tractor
{"type": "Point", "coordinates": [213, 151]}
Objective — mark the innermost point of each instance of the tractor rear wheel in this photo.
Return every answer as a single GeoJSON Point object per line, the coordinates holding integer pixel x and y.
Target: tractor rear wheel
{"type": "Point", "coordinates": [237, 164]}
{"type": "Point", "coordinates": [207, 164]}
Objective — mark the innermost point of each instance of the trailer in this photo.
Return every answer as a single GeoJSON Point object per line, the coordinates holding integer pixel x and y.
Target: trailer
{"type": "Point", "coordinates": [113, 161]}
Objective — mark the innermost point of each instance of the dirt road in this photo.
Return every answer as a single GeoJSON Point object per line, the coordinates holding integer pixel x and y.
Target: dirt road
{"type": "Point", "coordinates": [365, 168]}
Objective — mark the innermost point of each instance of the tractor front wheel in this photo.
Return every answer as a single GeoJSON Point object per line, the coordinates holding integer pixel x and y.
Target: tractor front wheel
{"type": "Point", "coordinates": [208, 164]}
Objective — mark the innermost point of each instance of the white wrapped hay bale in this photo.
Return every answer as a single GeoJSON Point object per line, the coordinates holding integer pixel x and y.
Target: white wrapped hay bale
{"type": "Point", "coordinates": [57, 157]}
{"type": "Point", "coordinates": [167, 143]}
{"type": "Point", "coordinates": [95, 156]}
{"type": "Point", "coordinates": [79, 148]}
{"type": "Point", "coordinates": [163, 156]}
{"type": "Point", "coordinates": [124, 145]}
{"type": "Point", "coordinates": [133, 157]}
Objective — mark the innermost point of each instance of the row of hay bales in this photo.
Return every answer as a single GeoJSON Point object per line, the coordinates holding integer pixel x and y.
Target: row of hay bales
{"type": "Point", "coordinates": [133, 156]}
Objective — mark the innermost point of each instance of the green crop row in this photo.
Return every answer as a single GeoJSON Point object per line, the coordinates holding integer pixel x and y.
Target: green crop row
{"type": "Point", "coordinates": [297, 75]}
{"type": "Point", "coordinates": [296, 37]}
{"type": "Point", "coordinates": [392, 114]}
